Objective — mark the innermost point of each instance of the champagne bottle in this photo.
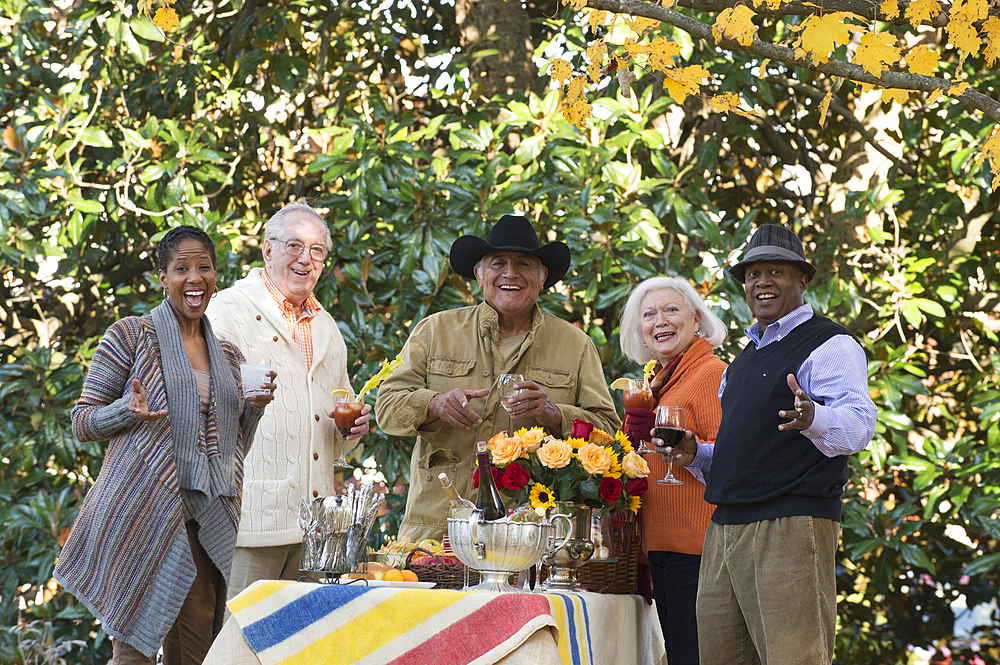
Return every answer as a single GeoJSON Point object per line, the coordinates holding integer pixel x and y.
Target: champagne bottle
{"type": "Point", "coordinates": [489, 501]}
{"type": "Point", "coordinates": [460, 509]}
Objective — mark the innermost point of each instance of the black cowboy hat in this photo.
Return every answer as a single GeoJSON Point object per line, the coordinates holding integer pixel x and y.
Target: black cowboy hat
{"type": "Point", "coordinates": [773, 243]}
{"type": "Point", "coordinates": [513, 233]}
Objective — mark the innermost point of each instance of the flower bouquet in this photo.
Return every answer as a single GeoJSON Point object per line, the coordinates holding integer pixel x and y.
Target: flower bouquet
{"type": "Point", "coordinates": [590, 468]}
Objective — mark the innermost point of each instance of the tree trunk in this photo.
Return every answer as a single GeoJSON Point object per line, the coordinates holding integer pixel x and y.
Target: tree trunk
{"type": "Point", "coordinates": [502, 26]}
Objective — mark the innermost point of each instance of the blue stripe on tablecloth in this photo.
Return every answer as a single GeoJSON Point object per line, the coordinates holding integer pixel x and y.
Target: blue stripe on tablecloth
{"type": "Point", "coordinates": [298, 614]}
{"type": "Point", "coordinates": [574, 645]}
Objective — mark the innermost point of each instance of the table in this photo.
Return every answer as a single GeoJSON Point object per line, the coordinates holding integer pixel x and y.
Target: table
{"type": "Point", "coordinates": [301, 622]}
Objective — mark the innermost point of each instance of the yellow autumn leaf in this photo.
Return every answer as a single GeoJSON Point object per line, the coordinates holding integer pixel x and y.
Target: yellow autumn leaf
{"type": "Point", "coordinates": [922, 61]}
{"type": "Point", "coordinates": [680, 83]}
{"type": "Point", "coordinates": [822, 34]}
{"type": "Point", "coordinates": [876, 52]}
{"type": "Point", "coordinates": [578, 112]}
{"type": "Point", "coordinates": [144, 6]}
{"type": "Point", "coordinates": [166, 19]}
{"type": "Point", "coordinates": [578, 5]}
{"type": "Point", "coordinates": [824, 107]}
{"type": "Point", "coordinates": [598, 17]}
{"type": "Point", "coordinates": [725, 102]}
{"type": "Point", "coordinates": [771, 4]}
{"type": "Point", "coordinates": [735, 23]}
{"type": "Point", "coordinates": [662, 51]}
{"type": "Point", "coordinates": [595, 56]}
{"type": "Point", "coordinates": [560, 71]}
{"type": "Point", "coordinates": [958, 89]}
{"type": "Point", "coordinates": [991, 33]}
{"type": "Point", "coordinates": [762, 70]}
{"type": "Point", "coordinates": [991, 149]}
{"type": "Point", "coordinates": [922, 11]}
{"type": "Point", "coordinates": [962, 34]}
{"type": "Point", "coordinates": [972, 11]}
{"type": "Point", "coordinates": [889, 9]}
{"type": "Point", "coordinates": [576, 87]}
{"type": "Point", "coordinates": [933, 95]}
{"type": "Point", "coordinates": [640, 24]}
{"type": "Point", "coordinates": [896, 95]}
{"type": "Point", "coordinates": [634, 49]}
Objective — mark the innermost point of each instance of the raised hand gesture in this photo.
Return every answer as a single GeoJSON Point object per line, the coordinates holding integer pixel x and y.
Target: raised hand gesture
{"type": "Point", "coordinates": [138, 405]}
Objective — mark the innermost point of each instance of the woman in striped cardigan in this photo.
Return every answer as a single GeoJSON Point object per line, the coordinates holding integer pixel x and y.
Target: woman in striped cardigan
{"type": "Point", "coordinates": [667, 321]}
{"type": "Point", "coordinates": [151, 550]}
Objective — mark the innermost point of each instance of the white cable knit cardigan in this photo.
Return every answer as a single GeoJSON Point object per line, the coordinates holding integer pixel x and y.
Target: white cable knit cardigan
{"type": "Point", "coordinates": [296, 439]}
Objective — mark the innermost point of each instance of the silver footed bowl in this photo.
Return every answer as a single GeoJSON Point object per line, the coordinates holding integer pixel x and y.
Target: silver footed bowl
{"type": "Point", "coordinates": [500, 548]}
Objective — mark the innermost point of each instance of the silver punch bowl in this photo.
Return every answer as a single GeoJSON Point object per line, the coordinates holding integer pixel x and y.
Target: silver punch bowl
{"type": "Point", "coordinates": [501, 548]}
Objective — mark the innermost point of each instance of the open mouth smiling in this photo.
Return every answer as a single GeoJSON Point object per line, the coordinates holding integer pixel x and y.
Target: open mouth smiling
{"type": "Point", "coordinates": [659, 337]}
{"type": "Point", "coordinates": [509, 287]}
{"type": "Point", "coordinates": [194, 297]}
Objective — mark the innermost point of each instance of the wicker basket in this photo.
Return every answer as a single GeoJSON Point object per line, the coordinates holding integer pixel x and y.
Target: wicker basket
{"type": "Point", "coordinates": [445, 572]}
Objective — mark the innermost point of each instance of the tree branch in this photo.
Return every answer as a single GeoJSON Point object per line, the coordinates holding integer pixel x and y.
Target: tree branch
{"type": "Point", "coordinates": [696, 28]}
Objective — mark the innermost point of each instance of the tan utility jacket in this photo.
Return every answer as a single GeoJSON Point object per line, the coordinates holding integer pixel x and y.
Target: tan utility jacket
{"type": "Point", "coordinates": [459, 349]}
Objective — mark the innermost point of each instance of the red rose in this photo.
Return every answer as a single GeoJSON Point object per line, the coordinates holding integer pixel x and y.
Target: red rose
{"type": "Point", "coordinates": [515, 477]}
{"type": "Point", "coordinates": [581, 430]}
{"type": "Point", "coordinates": [636, 487]}
{"type": "Point", "coordinates": [610, 489]}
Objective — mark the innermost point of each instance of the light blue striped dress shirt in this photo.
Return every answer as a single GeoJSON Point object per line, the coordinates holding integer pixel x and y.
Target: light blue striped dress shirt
{"type": "Point", "coordinates": [836, 373]}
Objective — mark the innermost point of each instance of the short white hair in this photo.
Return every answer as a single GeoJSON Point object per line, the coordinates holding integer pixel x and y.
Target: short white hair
{"type": "Point", "coordinates": [275, 226]}
{"type": "Point", "coordinates": [630, 331]}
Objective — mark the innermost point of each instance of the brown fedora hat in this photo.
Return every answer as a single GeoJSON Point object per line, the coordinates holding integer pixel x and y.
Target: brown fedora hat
{"type": "Point", "coordinates": [513, 233]}
{"type": "Point", "coordinates": [773, 243]}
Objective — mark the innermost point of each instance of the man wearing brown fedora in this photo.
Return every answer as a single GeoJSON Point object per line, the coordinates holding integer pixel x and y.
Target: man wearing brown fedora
{"type": "Point", "coordinates": [445, 392]}
{"type": "Point", "coordinates": [795, 405]}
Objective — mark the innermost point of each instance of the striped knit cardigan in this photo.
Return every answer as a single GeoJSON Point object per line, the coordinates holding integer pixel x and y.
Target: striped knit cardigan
{"type": "Point", "coordinates": [128, 557]}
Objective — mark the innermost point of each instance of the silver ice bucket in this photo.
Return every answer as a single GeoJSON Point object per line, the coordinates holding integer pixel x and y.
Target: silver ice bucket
{"type": "Point", "coordinates": [500, 548]}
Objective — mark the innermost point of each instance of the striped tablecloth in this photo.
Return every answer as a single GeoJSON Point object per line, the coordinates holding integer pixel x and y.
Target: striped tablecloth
{"type": "Point", "coordinates": [292, 623]}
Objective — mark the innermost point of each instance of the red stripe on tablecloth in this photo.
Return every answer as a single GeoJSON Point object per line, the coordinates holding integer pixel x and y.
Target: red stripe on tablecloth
{"type": "Point", "coordinates": [479, 632]}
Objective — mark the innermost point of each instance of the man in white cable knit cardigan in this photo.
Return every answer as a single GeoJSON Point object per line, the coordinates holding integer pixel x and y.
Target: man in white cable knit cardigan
{"type": "Point", "coordinates": [273, 317]}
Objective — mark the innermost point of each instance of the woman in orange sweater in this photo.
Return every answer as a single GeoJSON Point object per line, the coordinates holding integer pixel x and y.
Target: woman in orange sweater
{"type": "Point", "coordinates": [666, 320]}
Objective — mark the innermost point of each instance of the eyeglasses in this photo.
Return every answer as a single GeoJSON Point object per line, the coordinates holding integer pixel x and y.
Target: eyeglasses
{"type": "Point", "coordinates": [296, 247]}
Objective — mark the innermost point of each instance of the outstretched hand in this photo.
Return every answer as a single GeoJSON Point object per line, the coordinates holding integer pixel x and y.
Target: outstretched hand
{"type": "Point", "coordinates": [138, 405]}
{"type": "Point", "coordinates": [805, 408]}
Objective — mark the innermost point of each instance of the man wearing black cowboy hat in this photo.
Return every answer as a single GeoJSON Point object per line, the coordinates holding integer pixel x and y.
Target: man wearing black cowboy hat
{"type": "Point", "coordinates": [445, 391]}
{"type": "Point", "coordinates": [795, 405]}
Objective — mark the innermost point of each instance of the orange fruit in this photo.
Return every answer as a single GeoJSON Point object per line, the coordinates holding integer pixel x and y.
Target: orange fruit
{"type": "Point", "coordinates": [393, 576]}
{"type": "Point", "coordinates": [409, 576]}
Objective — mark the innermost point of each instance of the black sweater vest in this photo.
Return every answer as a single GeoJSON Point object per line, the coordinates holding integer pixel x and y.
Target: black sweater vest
{"type": "Point", "coordinates": [758, 471]}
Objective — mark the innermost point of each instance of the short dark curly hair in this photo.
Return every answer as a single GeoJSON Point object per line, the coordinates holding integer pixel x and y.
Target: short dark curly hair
{"type": "Point", "coordinates": [167, 248]}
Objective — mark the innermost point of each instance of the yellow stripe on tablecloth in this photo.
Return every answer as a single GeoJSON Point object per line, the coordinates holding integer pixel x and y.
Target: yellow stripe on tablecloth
{"type": "Point", "coordinates": [255, 593]}
{"type": "Point", "coordinates": [559, 612]}
{"type": "Point", "coordinates": [387, 621]}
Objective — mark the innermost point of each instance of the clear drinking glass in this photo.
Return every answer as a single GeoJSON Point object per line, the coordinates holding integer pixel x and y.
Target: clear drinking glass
{"type": "Point", "coordinates": [345, 413]}
{"type": "Point", "coordinates": [506, 390]}
{"type": "Point", "coordinates": [638, 395]}
{"type": "Point", "coordinates": [670, 426]}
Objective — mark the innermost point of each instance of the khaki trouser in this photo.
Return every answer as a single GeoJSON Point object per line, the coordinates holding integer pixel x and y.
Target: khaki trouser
{"type": "Point", "coordinates": [190, 637]}
{"type": "Point", "coordinates": [767, 592]}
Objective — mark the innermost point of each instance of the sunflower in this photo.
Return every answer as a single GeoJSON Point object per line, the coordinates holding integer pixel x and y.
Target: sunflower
{"type": "Point", "coordinates": [541, 497]}
{"type": "Point", "coordinates": [616, 466]}
{"type": "Point", "coordinates": [577, 443]}
{"type": "Point", "coordinates": [623, 441]}
{"type": "Point", "coordinates": [634, 503]}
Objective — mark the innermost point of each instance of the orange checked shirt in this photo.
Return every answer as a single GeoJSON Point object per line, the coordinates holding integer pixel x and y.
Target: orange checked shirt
{"type": "Point", "coordinates": [298, 325]}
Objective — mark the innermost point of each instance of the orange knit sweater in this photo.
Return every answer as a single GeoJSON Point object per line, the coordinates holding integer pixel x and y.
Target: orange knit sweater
{"type": "Point", "coordinates": [674, 517]}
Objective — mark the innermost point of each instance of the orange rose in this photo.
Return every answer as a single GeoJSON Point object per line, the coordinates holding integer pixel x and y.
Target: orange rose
{"type": "Point", "coordinates": [506, 451]}
{"type": "Point", "coordinates": [595, 459]}
{"type": "Point", "coordinates": [555, 454]}
{"type": "Point", "coordinates": [532, 439]}
{"type": "Point", "coordinates": [600, 437]}
{"type": "Point", "coordinates": [634, 466]}
{"type": "Point", "coordinates": [497, 438]}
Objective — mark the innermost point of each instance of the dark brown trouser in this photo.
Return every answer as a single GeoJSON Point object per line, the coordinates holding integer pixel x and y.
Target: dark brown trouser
{"type": "Point", "coordinates": [190, 637]}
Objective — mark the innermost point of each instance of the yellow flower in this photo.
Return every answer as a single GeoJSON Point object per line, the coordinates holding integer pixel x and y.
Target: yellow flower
{"type": "Point", "coordinates": [541, 497]}
{"type": "Point", "coordinates": [506, 451]}
{"type": "Point", "coordinates": [555, 454]}
{"type": "Point", "coordinates": [634, 466]}
{"type": "Point", "coordinates": [531, 439]}
{"type": "Point", "coordinates": [648, 369]}
{"type": "Point", "coordinates": [623, 441]}
{"type": "Point", "coordinates": [616, 469]}
{"type": "Point", "coordinates": [595, 459]}
{"type": "Point", "coordinates": [634, 504]}
{"type": "Point", "coordinates": [576, 443]}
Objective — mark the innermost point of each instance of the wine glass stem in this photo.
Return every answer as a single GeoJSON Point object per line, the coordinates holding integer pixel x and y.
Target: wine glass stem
{"type": "Point", "coordinates": [670, 464]}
